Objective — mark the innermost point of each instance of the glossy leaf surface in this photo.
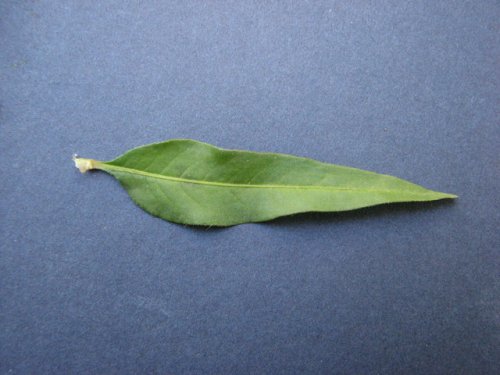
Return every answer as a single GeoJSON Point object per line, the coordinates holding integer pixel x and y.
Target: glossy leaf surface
{"type": "Point", "coordinates": [190, 182]}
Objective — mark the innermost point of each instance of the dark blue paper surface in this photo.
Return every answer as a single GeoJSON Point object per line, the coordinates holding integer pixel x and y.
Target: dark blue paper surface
{"type": "Point", "coordinates": [91, 284]}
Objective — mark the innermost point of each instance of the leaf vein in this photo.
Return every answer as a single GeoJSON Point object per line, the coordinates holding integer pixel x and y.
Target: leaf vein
{"type": "Point", "coordinates": [261, 186]}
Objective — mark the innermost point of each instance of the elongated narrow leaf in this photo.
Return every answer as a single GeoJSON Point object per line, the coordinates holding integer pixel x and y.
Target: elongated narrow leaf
{"type": "Point", "coordinates": [190, 182]}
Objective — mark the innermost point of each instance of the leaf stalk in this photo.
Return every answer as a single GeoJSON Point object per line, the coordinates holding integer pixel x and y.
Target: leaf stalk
{"type": "Point", "coordinates": [85, 165]}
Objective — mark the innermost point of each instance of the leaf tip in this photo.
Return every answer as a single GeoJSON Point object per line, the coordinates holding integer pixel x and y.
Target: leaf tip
{"type": "Point", "coordinates": [448, 196]}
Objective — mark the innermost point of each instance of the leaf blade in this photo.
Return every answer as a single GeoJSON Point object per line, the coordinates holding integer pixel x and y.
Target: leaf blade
{"type": "Point", "coordinates": [194, 183]}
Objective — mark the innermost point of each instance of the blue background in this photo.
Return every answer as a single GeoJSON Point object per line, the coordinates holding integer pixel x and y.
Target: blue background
{"type": "Point", "coordinates": [92, 284]}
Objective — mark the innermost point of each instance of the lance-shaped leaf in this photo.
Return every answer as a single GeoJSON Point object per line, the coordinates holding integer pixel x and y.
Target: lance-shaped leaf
{"type": "Point", "coordinates": [190, 182]}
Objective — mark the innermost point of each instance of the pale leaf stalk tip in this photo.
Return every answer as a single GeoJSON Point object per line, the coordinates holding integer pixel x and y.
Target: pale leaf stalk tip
{"type": "Point", "coordinates": [83, 164]}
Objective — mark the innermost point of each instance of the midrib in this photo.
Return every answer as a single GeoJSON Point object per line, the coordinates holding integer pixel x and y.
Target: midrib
{"type": "Point", "coordinates": [132, 171]}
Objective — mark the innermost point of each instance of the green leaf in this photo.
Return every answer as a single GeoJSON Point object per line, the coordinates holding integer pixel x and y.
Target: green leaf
{"type": "Point", "coordinates": [191, 182]}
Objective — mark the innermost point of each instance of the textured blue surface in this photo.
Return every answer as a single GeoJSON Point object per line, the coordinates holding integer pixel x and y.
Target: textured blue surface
{"type": "Point", "coordinates": [89, 283]}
